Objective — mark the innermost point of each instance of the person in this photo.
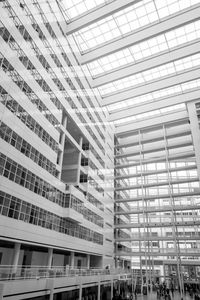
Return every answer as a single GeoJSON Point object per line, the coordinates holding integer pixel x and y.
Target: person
{"type": "Point", "coordinates": [135, 293]}
{"type": "Point", "coordinates": [158, 294]}
{"type": "Point", "coordinates": [160, 289]}
{"type": "Point", "coordinates": [172, 290]}
{"type": "Point", "coordinates": [168, 294]}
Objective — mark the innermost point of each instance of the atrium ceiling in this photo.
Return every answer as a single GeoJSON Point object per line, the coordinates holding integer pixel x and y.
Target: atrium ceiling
{"type": "Point", "coordinates": [142, 56]}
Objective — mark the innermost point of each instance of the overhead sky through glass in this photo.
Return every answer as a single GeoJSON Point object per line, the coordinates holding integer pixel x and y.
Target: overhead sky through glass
{"type": "Point", "coordinates": [154, 46]}
{"type": "Point", "coordinates": [128, 20]}
{"type": "Point", "coordinates": [111, 70]}
{"type": "Point", "coordinates": [74, 8]}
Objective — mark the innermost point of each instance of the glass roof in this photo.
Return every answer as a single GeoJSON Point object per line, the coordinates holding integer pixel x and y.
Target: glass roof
{"type": "Point", "coordinates": [150, 114]}
{"type": "Point", "coordinates": [151, 74]}
{"type": "Point", "coordinates": [156, 95]}
{"type": "Point", "coordinates": [74, 8]}
{"type": "Point", "coordinates": [118, 25]}
{"type": "Point", "coordinates": [127, 20]}
{"type": "Point", "coordinates": [161, 43]}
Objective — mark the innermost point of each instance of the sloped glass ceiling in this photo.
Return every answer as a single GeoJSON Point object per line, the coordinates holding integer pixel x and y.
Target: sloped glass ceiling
{"type": "Point", "coordinates": [117, 26]}
{"type": "Point", "coordinates": [128, 20]}
{"type": "Point", "coordinates": [151, 47]}
{"type": "Point", "coordinates": [75, 8]}
{"type": "Point", "coordinates": [151, 74]}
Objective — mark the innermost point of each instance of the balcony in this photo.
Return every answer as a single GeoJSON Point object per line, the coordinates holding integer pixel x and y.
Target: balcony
{"type": "Point", "coordinates": [9, 272]}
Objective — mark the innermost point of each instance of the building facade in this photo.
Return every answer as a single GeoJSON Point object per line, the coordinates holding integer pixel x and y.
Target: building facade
{"type": "Point", "coordinates": [56, 204]}
{"type": "Point", "coordinates": [100, 143]}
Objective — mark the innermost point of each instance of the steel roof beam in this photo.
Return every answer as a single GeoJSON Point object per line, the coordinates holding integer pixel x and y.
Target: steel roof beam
{"type": "Point", "coordinates": [148, 63]}
{"type": "Point", "coordinates": [151, 86]}
{"type": "Point", "coordinates": [152, 30]}
{"type": "Point", "coordinates": [98, 14]}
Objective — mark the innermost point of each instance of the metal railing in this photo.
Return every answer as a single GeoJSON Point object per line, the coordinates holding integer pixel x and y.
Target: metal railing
{"type": "Point", "coordinates": [9, 272]}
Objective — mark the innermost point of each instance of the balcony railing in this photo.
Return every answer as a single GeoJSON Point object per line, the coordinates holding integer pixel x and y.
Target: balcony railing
{"type": "Point", "coordinates": [9, 272]}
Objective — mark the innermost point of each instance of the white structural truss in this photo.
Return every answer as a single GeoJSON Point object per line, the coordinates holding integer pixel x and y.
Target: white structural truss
{"type": "Point", "coordinates": [143, 59]}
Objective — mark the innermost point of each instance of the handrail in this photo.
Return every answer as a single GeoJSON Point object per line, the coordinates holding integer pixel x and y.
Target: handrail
{"type": "Point", "coordinates": [10, 272]}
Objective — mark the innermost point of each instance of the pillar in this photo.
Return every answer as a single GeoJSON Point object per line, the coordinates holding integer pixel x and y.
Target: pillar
{"type": "Point", "coordinates": [72, 260]}
{"type": "Point", "coordinates": [111, 293]}
{"type": "Point", "coordinates": [16, 257]}
{"type": "Point", "coordinates": [50, 256]}
{"type": "Point", "coordinates": [123, 264]}
{"type": "Point", "coordinates": [79, 161]}
{"type": "Point", "coordinates": [80, 292]}
{"type": "Point", "coordinates": [88, 261]}
{"type": "Point", "coordinates": [50, 287]}
{"type": "Point", "coordinates": [99, 291]}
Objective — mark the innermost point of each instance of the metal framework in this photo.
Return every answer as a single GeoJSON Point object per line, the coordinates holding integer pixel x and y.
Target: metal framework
{"type": "Point", "coordinates": [147, 75]}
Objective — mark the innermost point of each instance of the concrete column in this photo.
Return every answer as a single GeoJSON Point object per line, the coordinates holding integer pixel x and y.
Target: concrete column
{"type": "Point", "coordinates": [50, 256]}
{"type": "Point", "coordinates": [79, 161]}
{"type": "Point", "coordinates": [123, 264]}
{"type": "Point", "coordinates": [111, 292]}
{"type": "Point", "coordinates": [72, 260]}
{"type": "Point", "coordinates": [16, 257]}
{"type": "Point", "coordinates": [65, 122]}
{"type": "Point", "coordinates": [88, 261]}
{"type": "Point", "coordinates": [50, 287]}
{"type": "Point", "coordinates": [80, 292]}
{"type": "Point", "coordinates": [99, 291]}
{"type": "Point", "coordinates": [195, 132]}
{"type": "Point", "coordinates": [60, 155]}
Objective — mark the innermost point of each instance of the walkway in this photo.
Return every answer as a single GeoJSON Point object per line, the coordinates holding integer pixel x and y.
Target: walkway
{"type": "Point", "coordinates": [153, 296]}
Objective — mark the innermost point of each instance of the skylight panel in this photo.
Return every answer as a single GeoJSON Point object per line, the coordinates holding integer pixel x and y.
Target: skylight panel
{"type": "Point", "coordinates": [168, 7]}
{"type": "Point", "coordinates": [130, 19]}
{"type": "Point", "coordinates": [148, 48]}
{"type": "Point", "coordinates": [74, 8]}
{"type": "Point", "coordinates": [156, 95]}
{"type": "Point", "coordinates": [151, 74]}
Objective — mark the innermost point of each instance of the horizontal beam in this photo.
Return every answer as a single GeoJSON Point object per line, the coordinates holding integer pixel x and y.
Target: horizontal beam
{"type": "Point", "coordinates": [181, 156]}
{"type": "Point", "coordinates": [149, 63]}
{"type": "Point", "coordinates": [98, 14]}
{"type": "Point", "coordinates": [183, 262]}
{"type": "Point", "coordinates": [155, 148]}
{"type": "Point", "coordinates": [147, 173]}
{"type": "Point", "coordinates": [158, 209]}
{"type": "Point", "coordinates": [156, 184]}
{"type": "Point", "coordinates": [151, 87]}
{"type": "Point", "coordinates": [142, 34]}
{"type": "Point", "coordinates": [157, 136]}
{"type": "Point", "coordinates": [127, 128]}
{"type": "Point", "coordinates": [196, 192]}
{"type": "Point", "coordinates": [156, 104]}
{"type": "Point", "coordinates": [156, 224]}
{"type": "Point", "coordinates": [167, 252]}
{"type": "Point", "coordinates": [157, 238]}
